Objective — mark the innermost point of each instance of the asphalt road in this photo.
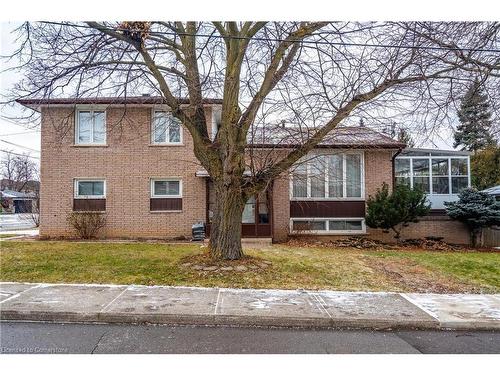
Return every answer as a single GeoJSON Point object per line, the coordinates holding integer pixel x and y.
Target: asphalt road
{"type": "Point", "coordinates": [24, 337]}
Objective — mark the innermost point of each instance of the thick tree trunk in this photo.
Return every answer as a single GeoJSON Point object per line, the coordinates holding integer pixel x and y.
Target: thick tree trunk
{"type": "Point", "coordinates": [225, 229]}
{"type": "Point", "coordinates": [475, 235]}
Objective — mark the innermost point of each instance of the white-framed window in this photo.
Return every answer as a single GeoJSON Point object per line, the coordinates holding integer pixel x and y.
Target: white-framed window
{"type": "Point", "coordinates": [90, 127]}
{"type": "Point", "coordinates": [329, 177]}
{"type": "Point", "coordinates": [165, 129]}
{"type": "Point", "coordinates": [90, 188]}
{"type": "Point", "coordinates": [327, 225]}
{"type": "Point", "coordinates": [435, 175]}
{"type": "Point", "coordinates": [166, 188]}
{"type": "Point", "coordinates": [459, 168]}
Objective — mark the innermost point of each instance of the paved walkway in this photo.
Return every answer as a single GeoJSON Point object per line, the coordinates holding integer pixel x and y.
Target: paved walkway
{"type": "Point", "coordinates": [260, 307]}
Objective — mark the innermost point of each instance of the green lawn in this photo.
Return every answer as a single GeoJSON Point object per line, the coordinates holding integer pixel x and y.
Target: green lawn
{"type": "Point", "coordinates": [292, 267]}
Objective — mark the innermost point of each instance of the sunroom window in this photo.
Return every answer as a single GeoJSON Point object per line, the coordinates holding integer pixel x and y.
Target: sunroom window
{"type": "Point", "coordinates": [459, 175]}
{"type": "Point", "coordinates": [421, 174]}
{"type": "Point", "coordinates": [440, 179]}
{"type": "Point", "coordinates": [436, 175]}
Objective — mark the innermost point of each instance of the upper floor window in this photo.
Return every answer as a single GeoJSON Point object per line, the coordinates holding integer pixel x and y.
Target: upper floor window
{"type": "Point", "coordinates": [90, 188]}
{"type": "Point", "coordinates": [329, 177]}
{"type": "Point", "coordinates": [90, 127]}
{"type": "Point", "coordinates": [166, 129]}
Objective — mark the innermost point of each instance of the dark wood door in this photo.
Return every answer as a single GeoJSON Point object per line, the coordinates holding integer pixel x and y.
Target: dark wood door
{"type": "Point", "coordinates": [256, 218]}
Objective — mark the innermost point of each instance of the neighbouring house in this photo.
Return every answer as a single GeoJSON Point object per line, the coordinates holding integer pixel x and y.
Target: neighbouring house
{"type": "Point", "coordinates": [494, 191]}
{"type": "Point", "coordinates": [130, 158]}
{"type": "Point", "coordinates": [18, 202]}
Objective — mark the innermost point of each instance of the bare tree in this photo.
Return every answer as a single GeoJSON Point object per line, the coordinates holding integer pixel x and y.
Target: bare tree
{"type": "Point", "coordinates": [291, 82]}
{"type": "Point", "coordinates": [19, 172]}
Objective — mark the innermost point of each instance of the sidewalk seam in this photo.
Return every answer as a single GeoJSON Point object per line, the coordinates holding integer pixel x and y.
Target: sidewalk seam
{"type": "Point", "coordinates": [18, 294]}
{"type": "Point", "coordinates": [217, 302]}
{"type": "Point", "coordinates": [321, 303]}
{"type": "Point", "coordinates": [416, 304]}
{"type": "Point", "coordinates": [113, 300]}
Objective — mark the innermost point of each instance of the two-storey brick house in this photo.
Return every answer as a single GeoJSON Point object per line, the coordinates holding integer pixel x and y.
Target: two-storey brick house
{"type": "Point", "coordinates": [130, 158]}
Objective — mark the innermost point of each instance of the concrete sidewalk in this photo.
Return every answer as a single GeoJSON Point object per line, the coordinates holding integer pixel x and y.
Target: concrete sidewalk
{"type": "Point", "coordinates": [259, 307]}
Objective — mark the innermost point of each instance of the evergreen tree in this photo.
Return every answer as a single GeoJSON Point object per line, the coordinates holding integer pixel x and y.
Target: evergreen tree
{"type": "Point", "coordinates": [405, 137]}
{"type": "Point", "coordinates": [476, 209]}
{"type": "Point", "coordinates": [485, 168]}
{"type": "Point", "coordinates": [397, 209]}
{"type": "Point", "coordinates": [473, 133]}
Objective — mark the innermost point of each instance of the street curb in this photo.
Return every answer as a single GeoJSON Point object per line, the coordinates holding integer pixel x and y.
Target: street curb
{"type": "Point", "coordinates": [215, 320]}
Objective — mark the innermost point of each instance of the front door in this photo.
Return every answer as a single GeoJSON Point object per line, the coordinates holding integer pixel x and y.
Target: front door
{"type": "Point", "coordinates": [256, 217]}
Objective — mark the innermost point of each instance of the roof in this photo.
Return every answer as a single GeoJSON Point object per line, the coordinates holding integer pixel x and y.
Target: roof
{"type": "Point", "coordinates": [267, 136]}
{"type": "Point", "coordinates": [494, 190]}
{"type": "Point", "coordinates": [433, 152]}
{"type": "Point", "coordinates": [36, 103]}
{"type": "Point", "coordinates": [16, 194]}
{"type": "Point", "coordinates": [340, 137]}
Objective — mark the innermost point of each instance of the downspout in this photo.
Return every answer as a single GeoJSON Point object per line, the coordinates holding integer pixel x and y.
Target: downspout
{"type": "Point", "coordinates": [394, 166]}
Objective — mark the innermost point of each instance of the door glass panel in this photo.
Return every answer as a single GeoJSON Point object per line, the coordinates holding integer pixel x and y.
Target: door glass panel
{"type": "Point", "coordinates": [248, 216]}
{"type": "Point", "coordinates": [263, 210]}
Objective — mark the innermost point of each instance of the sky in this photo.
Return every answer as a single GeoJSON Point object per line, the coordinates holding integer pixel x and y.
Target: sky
{"type": "Point", "coordinates": [25, 138]}
{"type": "Point", "coordinates": [15, 137]}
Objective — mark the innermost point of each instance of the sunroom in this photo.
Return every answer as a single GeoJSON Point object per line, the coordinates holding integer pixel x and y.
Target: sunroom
{"type": "Point", "coordinates": [441, 174]}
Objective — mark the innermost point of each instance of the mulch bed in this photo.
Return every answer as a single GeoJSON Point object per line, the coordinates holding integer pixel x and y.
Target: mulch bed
{"type": "Point", "coordinates": [366, 243]}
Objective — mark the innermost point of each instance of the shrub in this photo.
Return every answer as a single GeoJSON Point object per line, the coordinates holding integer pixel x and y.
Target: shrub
{"type": "Point", "coordinates": [476, 209]}
{"type": "Point", "coordinates": [87, 224]}
{"type": "Point", "coordinates": [393, 211]}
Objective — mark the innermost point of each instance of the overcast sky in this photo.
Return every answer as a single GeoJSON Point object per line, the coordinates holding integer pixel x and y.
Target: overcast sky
{"type": "Point", "coordinates": [22, 138]}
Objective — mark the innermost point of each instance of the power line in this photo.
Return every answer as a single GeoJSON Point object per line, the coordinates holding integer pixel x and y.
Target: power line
{"type": "Point", "coordinates": [24, 155]}
{"type": "Point", "coordinates": [21, 133]}
{"type": "Point", "coordinates": [320, 42]}
{"type": "Point", "coordinates": [15, 144]}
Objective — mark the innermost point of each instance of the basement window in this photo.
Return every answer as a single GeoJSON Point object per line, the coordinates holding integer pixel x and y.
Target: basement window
{"type": "Point", "coordinates": [328, 226]}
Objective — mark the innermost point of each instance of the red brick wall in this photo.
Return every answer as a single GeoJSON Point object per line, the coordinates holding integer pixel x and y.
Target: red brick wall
{"type": "Point", "coordinates": [127, 163]}
{"type": "Point", "coordinates": [436, 226]}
